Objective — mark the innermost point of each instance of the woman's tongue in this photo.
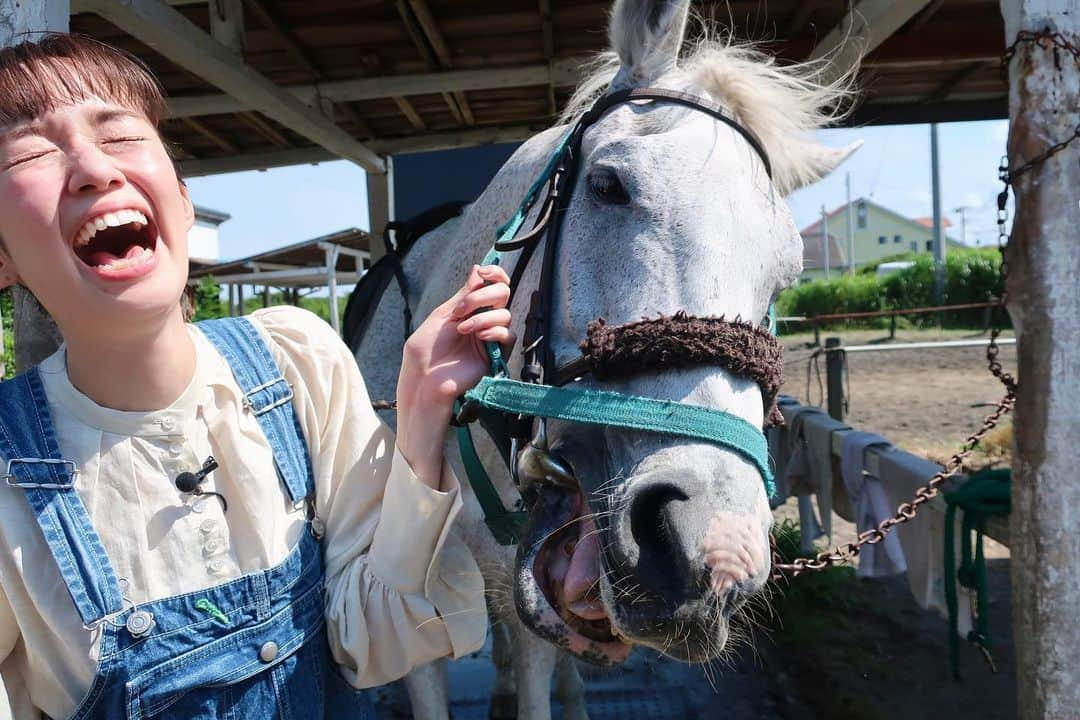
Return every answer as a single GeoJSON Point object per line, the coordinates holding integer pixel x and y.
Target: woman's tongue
{"type": "Point", "coordinates": [99, 258]}
{"type": "Point", "coordinates": [581, 585]}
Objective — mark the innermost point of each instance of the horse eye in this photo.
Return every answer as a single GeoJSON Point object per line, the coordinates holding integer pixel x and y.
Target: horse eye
{"type": "Point", "coordinates": [606, 188]}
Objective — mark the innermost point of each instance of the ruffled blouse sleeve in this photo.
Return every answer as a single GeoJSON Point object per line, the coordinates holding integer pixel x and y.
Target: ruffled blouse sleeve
{"type": "Point", "coordinates": [401, 586]}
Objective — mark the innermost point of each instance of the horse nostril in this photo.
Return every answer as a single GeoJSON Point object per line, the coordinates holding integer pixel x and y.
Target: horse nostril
{"type": "Point", "coordinates": [660, 561]}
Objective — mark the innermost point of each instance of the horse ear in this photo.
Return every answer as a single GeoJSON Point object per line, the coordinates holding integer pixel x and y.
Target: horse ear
{"type": "Point", "coordinates": [819, 161]}
{"type": "Point", "coordinates": [646, 35]}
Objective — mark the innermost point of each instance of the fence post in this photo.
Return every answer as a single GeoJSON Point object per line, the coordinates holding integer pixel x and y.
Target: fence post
{"type": "Point", "coordinates": [817, 333]}
{"type": "Point", "coordinates": [834, 377]}
{"type": "Point", "coordinates": [892, 327]}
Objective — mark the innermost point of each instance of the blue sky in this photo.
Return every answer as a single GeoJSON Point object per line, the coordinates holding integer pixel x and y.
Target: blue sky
{"type": "Point", "coordinates": [286, 205]}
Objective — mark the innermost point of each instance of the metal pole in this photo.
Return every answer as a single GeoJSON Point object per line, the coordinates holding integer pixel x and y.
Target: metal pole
{"type": "Point", "coordinates": [1044, 81]}
{"type": "Point", "coordinates": [834, 378]}
{"type": "Point", "coordinates": [331, 286]}
{"type": "Point", "coordinates": [850, 229]}
{"type": "Point", "coordinates": [939, 234]}
{"type": "Point", "coordinates": [825, 239]}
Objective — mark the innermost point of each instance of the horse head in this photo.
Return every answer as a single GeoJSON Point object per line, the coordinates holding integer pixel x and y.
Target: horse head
{"type": "Point", "coordinates": [638, 537]}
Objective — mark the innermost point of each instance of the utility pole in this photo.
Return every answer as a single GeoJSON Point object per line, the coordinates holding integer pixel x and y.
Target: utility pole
{"type": "Point", "coordinates": [850, 229]}
{"type": "Point", "coordinates": [963, 222]}
{"type": "Point", "coordinates": [939, 234]}
{"type": "Point", "coordinates": [825, 239]}
{"type": "Point", "coordinates": [1043, 254]}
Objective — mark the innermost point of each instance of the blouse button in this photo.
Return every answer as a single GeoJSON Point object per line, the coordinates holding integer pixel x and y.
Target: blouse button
{"type": "Point", "coordinates": [168, 424]}
{"type": "Point", "coordinates": [212, 546]}
{"type": "Point", "coordinates": [207, 526]}
{"type": "Point", "coordinates": [214, 566]}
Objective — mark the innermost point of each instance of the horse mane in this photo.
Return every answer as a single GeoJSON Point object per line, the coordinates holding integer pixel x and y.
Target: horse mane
{"type": "Point", "coordinates": [783, 104]}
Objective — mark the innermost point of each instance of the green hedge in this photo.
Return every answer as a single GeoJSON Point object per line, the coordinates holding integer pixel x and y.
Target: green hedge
{"type": "Point", "coordinates": [969, 276]}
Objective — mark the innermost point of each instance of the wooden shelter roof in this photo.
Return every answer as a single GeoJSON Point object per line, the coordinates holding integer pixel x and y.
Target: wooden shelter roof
{"type": "Point", "coordinates": [308, 255]}
{"type": "Point", "coordinates": [406, 75]}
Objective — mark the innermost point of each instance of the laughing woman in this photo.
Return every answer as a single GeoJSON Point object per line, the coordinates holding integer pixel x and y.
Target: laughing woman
{"type": "Point", "coordinates": [202, 521]}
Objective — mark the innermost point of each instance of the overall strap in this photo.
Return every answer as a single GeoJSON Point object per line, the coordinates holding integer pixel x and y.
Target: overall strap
{"type": "Point", "coordinates": [34, 464]}
{"type": "Point", "coordinates": [268, 396]}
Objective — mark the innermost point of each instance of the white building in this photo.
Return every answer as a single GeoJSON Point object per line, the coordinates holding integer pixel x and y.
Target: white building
{"type": "Point", "coordinates": [203, 245]}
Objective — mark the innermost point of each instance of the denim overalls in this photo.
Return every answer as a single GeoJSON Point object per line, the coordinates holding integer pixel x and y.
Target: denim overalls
{"type": "Point", "coordinates": [254, 647]}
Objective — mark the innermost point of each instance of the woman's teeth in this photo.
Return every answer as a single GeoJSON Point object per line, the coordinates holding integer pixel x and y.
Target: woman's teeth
{"type": "Point", "coordinates": [143, 256]}
{"type": "Point", "coordinates": [108, 220]}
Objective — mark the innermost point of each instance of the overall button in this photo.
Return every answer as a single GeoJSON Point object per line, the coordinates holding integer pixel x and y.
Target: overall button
{"type": "Point", "coordinates": [268, 652]}
{"type": "Point", "coordinates": [140, 623]}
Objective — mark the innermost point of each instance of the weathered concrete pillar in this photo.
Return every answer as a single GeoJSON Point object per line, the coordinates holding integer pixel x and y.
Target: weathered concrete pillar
{"type": "Point", "coordinates": [36, 335]}
{"type": "Point", "coordinates": [1044, 257]}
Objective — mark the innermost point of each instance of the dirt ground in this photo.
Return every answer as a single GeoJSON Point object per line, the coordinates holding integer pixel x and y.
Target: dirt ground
{"type": "Point", "coordinates": [846, 648]}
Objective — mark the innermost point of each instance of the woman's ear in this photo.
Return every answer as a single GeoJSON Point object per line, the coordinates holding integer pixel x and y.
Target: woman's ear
{"type": "Point", "coordinates": [8, 274]}
{"type": "Point", "coordinates": [189, 207]}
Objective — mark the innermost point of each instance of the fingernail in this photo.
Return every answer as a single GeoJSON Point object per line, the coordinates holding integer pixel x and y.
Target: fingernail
{"type": "Point", "coordinates": [485, 269]}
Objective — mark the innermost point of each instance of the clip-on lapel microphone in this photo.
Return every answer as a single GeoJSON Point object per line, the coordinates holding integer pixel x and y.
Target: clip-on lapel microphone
{"type": "Point", "coordinates": [189, 482]}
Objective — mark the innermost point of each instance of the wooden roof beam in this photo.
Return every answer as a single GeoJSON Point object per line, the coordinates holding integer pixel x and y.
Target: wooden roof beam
{"type": "Point", "coordinates": [862, 29]}
{"type": "Point", "coordinates": [397, 146]}
{"type": "Point", "coordinates": [256, 123]}
{"type": "Point", "coordinates": [175, 37]}
{"type": "Point", "coordinates": [277, 28]}
{"type": "Point", "coordinates": [429, 40]}
{"type": "Point", "coordinates": [210, 135]}
{"type": "Point", "coordinates": [410, 113]}
{"type": "Point", "coordinates": [547, 39]}
{"type": "Point", "coordinates": [561, 73]}
{"type": "Point", "coordinates": [954, 81]}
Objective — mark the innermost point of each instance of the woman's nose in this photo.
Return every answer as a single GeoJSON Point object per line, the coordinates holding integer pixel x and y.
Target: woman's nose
{"type": "Point", "coordinates": [92, 170]}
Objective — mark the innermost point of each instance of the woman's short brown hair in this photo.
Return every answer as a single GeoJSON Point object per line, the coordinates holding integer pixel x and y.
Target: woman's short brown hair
{"type": "Point", "coordinates": [37, 76]}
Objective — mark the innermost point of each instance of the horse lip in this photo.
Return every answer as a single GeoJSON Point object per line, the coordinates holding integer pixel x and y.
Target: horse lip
{"type": "Point", "coordinates": [554, 507]}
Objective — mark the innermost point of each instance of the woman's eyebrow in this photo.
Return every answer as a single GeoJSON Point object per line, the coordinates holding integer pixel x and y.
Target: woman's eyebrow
{"type": "Point", "coordinates": [20, 131]}
{"type": "Point", "coordinates": [105, 115]}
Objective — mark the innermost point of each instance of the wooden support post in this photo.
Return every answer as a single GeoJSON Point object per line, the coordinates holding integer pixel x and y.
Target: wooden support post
{"type": "Point", "coordinates": [266, 296]}
{"type": "Point", "coordinates": [240, 309]}
{"type": "Point", "coordinates": [1044, 82]}
{"type": "Point", "coordinates": [834, 378]}
{"type": "Point", "coordinates": [380, 192]}
{"type": "Point", "coordinates": [36, 335]}
{"type": "Point", "coordinates": [892, 327]}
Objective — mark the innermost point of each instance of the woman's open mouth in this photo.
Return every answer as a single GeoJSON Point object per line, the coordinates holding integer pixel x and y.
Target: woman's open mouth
{"type": "Point", "coordinates": [117, 245]}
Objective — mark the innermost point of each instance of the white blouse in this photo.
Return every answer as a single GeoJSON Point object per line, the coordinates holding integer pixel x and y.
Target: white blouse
{"type": "Point", "coordinates": [401, 587]}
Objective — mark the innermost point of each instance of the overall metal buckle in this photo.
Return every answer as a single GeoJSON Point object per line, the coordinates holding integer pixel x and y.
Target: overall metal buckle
{"type": "Point", "coordinates": [12, 481]}
{"type": "Point", "coordinates": [287, 397]}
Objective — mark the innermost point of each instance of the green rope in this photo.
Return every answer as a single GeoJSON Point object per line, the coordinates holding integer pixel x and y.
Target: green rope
{"type": "Point", "coordinates": [984, 495]}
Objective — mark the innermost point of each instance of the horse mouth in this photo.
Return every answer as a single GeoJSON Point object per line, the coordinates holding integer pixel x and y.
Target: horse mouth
{"type": "Point", "coordinates": [559, 580]}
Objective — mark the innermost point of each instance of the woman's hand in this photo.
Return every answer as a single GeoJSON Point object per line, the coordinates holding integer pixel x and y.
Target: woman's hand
{"type": "Point", "coordinates": [444, 358]}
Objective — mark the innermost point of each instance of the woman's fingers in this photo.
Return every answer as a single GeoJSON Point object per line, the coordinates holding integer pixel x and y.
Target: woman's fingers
{"type": "Point", "coordinates": [504, 336]}
{"type": "Point", "coordinates": [490, 296]}
{"type": "Point", "coordinates": [499, 317]}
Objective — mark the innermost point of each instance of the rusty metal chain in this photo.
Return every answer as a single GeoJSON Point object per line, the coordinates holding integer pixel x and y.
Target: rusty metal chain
{"type": "Point", "coordinates": [907, 511]}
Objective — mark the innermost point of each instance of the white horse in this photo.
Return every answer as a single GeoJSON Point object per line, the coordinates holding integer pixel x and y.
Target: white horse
{"type": "Point", "coordinates": [672, 211]}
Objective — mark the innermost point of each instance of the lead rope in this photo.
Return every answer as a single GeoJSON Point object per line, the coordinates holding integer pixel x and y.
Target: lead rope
{"type": "Point", "coordinates": [907, 511]}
